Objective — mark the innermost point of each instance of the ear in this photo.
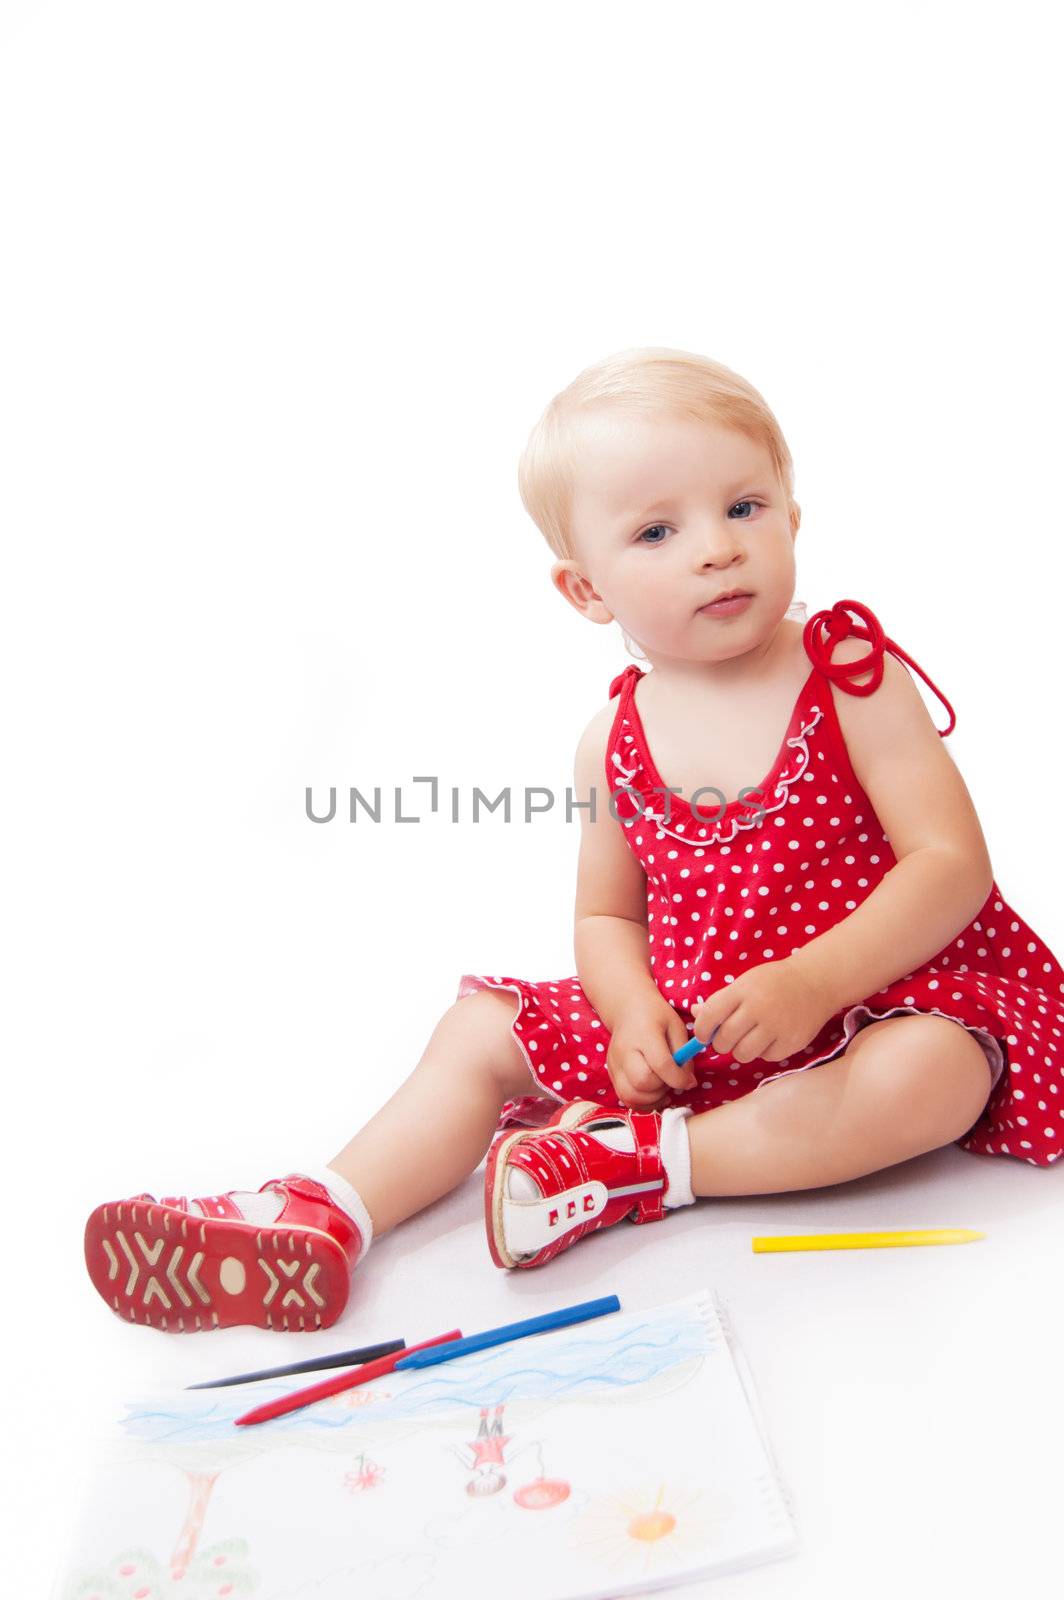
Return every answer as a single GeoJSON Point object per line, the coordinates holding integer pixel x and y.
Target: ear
{"type": "Point", "coordinates": [580, 592]}
{"type": "Point", "coordinates": [796, 517]}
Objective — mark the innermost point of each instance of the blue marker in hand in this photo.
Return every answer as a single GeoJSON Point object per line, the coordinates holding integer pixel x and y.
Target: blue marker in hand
{"type": "Point", "coordinates": [691, 1048]}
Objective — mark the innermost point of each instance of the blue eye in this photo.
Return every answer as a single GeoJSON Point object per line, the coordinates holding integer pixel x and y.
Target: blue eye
{"type": "Point", "coordinates": [751, 503]}
{"type": "Point", "coordinates": [654, 528]}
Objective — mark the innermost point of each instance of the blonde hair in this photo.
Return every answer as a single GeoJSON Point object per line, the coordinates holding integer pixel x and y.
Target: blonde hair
{"type": "Point", "coordinates": [641, 381]}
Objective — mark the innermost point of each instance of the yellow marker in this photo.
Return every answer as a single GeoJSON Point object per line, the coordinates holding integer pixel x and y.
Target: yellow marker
{"type": "Point", "coordinates": [864, 1241]}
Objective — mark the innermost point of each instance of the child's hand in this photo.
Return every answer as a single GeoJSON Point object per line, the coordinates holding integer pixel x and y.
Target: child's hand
{"type": "Point", "coordinates": [770, 1011]}
{"type": "Point", "coordinates": [639, 1059]}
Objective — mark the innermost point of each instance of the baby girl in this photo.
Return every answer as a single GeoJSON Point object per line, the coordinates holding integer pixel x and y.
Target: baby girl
{"type": "Point", "coordinates": [780, 867]}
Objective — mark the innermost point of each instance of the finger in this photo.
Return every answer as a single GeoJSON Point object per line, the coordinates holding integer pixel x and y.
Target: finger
{"type": "Point", "coordinates": [676, 1032]}
{"type": "Point", "coordinates": [704, 1025]}
{"type": "Point", "coordinates": [677, 1077]}
{"type": "Point", "coordinates": [626, 1091]}
{"type": "Point", "coordinates": [749, 1047]}
{"type": "Point", "coordinates": [643, 1096]}
{"type": "Point", "coordinates": [640, 1073]}
{"type": "Point", "coordinates": [622, 1089]}
{"type": "Point", "coordinates": [678, 1036]}
{"type": "Point", "coordinates": [722, 1034]}
{"type": "Point", "coordinates": [712, 1023]}
{"type": "Point", "coordinates": [646, 1099]}
{"type": "Point", "coordinates": [641, 1102]}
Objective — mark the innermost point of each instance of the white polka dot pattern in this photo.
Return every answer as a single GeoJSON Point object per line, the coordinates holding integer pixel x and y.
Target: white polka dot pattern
{"type": "Point", "coordinates": [728, 891]}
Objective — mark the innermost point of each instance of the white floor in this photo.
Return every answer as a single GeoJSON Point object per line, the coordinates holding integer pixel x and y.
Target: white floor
{"type": "Point", "coordinates": [913, 1396]}
{"type": "Point", "coordinates": [285, 299]}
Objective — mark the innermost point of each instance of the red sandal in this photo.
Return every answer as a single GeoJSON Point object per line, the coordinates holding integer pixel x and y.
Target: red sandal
{"type": "Point", "coordinates": [186, 1264]}
{"type": "Point", "coordinates": [579, 1183]}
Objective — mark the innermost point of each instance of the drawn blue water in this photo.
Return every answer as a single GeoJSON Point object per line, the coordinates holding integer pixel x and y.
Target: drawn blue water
{"type": "Point", "coordinates": [568, 1364]}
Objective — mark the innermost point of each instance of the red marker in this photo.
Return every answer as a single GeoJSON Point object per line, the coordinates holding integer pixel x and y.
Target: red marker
{"type": "Point", "coordinates": [346, 1380]}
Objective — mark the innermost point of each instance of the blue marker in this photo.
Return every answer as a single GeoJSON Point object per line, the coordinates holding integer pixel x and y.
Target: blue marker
{"type": "Point", "coordinates": [691, 1048]}
{"type": "Point", "coordinates": [513, 1330]}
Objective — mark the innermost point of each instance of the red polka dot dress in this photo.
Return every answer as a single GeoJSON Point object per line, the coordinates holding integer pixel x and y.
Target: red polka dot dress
{"type": "Point", "coordinates": [728, 889]}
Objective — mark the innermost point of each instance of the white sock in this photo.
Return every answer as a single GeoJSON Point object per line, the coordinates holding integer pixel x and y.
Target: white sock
{"type": "Point", "coordinates": [260, 1209]}
{"type": "Point", "coordinates": [265, 1207]}
{"type": "Point", "coordinates": [675, 1158]}
{"type": "Point", "coordinates": [343, 1195]}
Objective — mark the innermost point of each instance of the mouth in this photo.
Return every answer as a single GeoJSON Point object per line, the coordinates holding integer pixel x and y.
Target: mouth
{"type": "Point", "coordinates": [731, 601]}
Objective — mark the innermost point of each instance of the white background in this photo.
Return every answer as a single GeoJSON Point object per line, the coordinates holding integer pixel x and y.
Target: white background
{"type": "Point", "coordinates": [284, 289]}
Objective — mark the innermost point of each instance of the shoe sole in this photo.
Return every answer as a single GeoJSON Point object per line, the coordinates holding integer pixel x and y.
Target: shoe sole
{"type": "Point", "coordinates": [170, 1269]}
{"type": "Point", "coordinates": [495, 1178]}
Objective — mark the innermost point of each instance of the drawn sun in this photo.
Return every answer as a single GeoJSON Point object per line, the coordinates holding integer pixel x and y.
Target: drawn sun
{"type": "Point", "coordinates": [643, 1530]}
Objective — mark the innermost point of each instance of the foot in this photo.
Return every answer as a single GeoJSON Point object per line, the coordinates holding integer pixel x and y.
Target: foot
{"type": "Point", "coordinates": [186, 1265]}
{"type": "Point", "coordinates": [585, 1170]}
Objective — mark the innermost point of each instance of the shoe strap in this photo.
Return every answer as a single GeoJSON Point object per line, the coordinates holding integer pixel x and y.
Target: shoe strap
{"type": "Point", "coordinates": [646, 1134]}
{"type": "Point", "coordinates": [646, 1130]}
{"type": "Point", "coordinates": [326, 1213]}
{"type": "Point", "coordinates": [307, 1188]}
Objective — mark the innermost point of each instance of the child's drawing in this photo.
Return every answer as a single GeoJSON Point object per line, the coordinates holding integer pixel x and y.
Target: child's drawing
{"type": "Point", "coordinates": [643, 1529]}
{"type": "Point", "coordinates": [367, 1474]}
{"type": "Point", "coordinates": [551, 1437]}
{"type": "Point", "coordinates": [487, 1454]}
{"type": "Point", "coordinates": [542, 1494]}
{"type": "Point", "coordinates": [220, 1572]}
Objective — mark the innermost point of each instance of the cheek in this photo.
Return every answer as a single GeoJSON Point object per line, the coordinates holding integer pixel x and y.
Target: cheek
{"type": "Point", "coordinates": [652, 596]}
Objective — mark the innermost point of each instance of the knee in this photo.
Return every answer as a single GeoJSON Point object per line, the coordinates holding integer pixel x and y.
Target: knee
{"type": "Point", "coordinates": [482, 1023]}
{"type": "Point", "coordinates": [485, 1012]}
{"type": "Point", "coordinates": [930, 1071]}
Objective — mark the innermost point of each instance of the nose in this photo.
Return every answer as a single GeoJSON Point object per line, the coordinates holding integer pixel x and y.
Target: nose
{"type": "Point", "coordinates": [718, 545]}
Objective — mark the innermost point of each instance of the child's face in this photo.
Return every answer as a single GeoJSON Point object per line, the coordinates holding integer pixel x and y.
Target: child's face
{"type": "Point", "coordinates": [666, 515]}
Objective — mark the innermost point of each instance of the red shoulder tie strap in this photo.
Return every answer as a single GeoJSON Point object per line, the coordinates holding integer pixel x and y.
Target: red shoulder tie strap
{"type": "Point", "coordinates": [618, 683]}
{"type": "Point", "coordinates": [835, 625]}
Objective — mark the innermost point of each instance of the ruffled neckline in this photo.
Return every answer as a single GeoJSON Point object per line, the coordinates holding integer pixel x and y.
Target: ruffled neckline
{"type": "Point", "coordinates": [766, 788]}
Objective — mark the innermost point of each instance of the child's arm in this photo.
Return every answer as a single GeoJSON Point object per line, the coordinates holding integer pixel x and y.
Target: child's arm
{"type": "Point", "coordinates": [610, 938]}
{"type": "Point", "coordinates": [612, 941]}
{"type": "Point", "coordinates": [943, 872]}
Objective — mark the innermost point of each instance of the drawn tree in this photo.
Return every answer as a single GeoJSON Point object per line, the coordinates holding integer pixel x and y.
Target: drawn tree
{"type": "Point", "coordinates": [198, 1437]}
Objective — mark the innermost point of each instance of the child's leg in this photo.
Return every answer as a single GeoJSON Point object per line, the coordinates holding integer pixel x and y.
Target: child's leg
{"type": "Point", "coordinates": [280, 1257]}
{"type": "Point", "coordinates": [438, 1124]}
{"type": "Point", "coordinates": [903, 1086]}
